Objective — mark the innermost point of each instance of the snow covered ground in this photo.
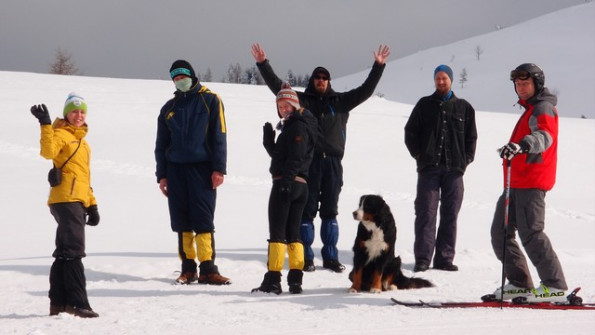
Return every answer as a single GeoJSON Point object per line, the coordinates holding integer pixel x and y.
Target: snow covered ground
{"type": "Point", "coordinates": [132, 258]}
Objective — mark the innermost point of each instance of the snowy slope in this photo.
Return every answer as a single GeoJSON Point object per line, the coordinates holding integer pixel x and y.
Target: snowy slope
{"type": "Point", "coordinates": [561, 43]}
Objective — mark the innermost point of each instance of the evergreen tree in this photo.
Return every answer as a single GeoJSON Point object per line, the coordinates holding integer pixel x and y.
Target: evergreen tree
{"type": "Point", "coordinates": [291, 79]}
{"type": "Point", "coordinates": [234, 74]}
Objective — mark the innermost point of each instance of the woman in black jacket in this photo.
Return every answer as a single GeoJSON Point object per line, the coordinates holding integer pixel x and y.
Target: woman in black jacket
{"type": "Point", "coordinates": [291, 156]}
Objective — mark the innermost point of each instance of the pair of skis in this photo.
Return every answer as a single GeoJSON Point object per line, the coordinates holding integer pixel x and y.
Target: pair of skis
{"type": "Point", "coordinates": [573, 302]}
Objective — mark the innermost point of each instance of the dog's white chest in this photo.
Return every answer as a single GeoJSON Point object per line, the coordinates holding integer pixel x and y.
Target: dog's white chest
{"type": "Point", "coordinates": [376, 244]}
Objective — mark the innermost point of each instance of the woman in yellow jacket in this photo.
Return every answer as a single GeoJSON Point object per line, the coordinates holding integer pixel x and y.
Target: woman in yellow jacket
{"type": "Point", "coordinates": [71, 203]}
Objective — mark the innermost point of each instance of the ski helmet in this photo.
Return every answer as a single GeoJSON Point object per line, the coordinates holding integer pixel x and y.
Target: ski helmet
{"type": "Point", "coordinates": [529, 70]}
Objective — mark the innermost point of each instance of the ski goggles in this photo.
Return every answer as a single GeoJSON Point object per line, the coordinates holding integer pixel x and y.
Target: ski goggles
{"type": "Point", "coordinates": [519, 74]}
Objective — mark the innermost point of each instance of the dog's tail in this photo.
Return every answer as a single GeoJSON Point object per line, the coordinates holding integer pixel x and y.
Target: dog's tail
{"type": "Point", "coordinates": [404, 283]}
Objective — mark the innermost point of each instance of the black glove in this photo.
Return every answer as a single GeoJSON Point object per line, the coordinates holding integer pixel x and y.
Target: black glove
{"type": "Point", "coordinates": [510, 150]}
{"type": "Point", "coordinates": [41, 113]}
{"type": "Point", "coordinates": [285, 187]}
{"type": "Point", "coordinates": [268, 137]}
{"type": "Point", "coordinates": [92, 215]}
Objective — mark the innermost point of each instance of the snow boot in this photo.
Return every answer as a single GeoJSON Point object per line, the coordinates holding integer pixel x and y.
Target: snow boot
{"type": "Point", "coordinates": [209, 274]}
{"type": "Point", "coordinates": [186, 278]}
{"type": "Point", "coordinates": [270, 284]}
{"type": "Point", "coordinates": [81, 312]}
{"type": "Point", "coordinates": [333, 265]}
{"type": "Point", "coordinates": [55, 310]}
{"type": "Point", "coordinates": [294, 280]}
{"type": "Point", "coordinates": [546, 294]}
{"type": "Point", "coordinates": [511, 291]}
{"type": "Point", "coordinates": [309, 265]}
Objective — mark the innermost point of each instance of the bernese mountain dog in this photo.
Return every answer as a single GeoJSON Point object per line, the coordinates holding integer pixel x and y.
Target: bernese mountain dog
{"type": "Point", "coordinates": [375, 267]}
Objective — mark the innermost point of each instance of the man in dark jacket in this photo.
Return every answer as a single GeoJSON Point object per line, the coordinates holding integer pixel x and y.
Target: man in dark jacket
{"type": "Point", "coordinates": [191, 156]}
{"type": "Point", "coordinates": [441, 135]}
{"type": "Point", "coordinates": [326, 172]}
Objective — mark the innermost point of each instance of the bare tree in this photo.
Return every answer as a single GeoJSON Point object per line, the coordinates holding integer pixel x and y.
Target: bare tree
{"type": "Point", "coordinates": [463, 76]}
{"type": "Point", "coordinates": [63, 63]}
{"type": "Point", "coordinates": [478, 52]}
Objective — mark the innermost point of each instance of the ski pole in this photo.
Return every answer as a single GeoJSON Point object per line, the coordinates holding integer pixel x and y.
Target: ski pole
{"type": "Point", "coordinates": [506, 206]}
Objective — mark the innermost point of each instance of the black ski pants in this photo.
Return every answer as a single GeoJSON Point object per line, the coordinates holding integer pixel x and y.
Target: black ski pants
{"type": "Point", "coordinates": [285, 212]}
{"type": "Point", "coordinates": [67, 274]}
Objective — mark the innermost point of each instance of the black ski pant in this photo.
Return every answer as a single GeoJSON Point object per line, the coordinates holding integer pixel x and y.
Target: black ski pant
{"type": "Point", "coordinates": [434, 187]}
{"type": "Point", "coordinates": [67, 274]}
{"type": "Point", "coordinates": [526, 214]}
{"type": "Point", "coordinates": [285, 212]}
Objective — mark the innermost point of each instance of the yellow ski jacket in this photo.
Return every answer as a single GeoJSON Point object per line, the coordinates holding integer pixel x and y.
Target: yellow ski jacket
{"type": "Point", "coordinates": [58, 142]}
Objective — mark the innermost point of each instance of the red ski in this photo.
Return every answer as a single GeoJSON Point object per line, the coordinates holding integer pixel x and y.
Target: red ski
{"type": "Point", "coordinates": [573, 302]}
{"type": "Point", "coordinates": [492, 304]}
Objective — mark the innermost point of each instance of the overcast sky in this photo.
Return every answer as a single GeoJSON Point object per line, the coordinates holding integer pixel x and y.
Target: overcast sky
{"type": "Point", "coordinates": [141, 38]}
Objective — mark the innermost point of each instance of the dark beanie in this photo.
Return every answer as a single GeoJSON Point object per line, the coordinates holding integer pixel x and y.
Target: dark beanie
{"type": "Point", "coordinates": [320, 69]}
{"type": "Point", "coordinates": [444, 68]}
{"type": "Point", "coordinates": [181, 67]}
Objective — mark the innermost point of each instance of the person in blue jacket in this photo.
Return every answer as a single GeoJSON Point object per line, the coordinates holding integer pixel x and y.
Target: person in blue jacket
{"type": "Point", "coordinates": [191, 156]}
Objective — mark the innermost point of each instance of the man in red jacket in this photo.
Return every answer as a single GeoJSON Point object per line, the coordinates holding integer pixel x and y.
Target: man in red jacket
{"type": "Point", "coordinates": [532, 155]}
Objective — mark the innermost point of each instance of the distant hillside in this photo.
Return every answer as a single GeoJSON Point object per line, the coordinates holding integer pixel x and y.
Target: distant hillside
{"type": "Point", "coordinates": [561, 43]}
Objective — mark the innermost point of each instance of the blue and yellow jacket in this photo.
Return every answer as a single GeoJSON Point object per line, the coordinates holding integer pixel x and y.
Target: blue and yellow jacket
{"type": "Point", "coordinates": [191, 129]}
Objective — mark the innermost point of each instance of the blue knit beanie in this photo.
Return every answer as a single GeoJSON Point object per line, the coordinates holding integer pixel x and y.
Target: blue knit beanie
{"type": "Point", "coordinates": [444, 68]}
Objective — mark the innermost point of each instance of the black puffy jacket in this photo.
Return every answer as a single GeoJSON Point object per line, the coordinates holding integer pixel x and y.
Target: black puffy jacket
{"type": "Point", "coordinates": [331, 109]}
{"type": "Point", "coordinates": [294, 147]}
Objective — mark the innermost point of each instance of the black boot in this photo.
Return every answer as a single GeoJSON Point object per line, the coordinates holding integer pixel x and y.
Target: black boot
{"type": "Point", "coordinates": [81, 312]}
{"type": "Point", "coordinates": [75, 284]}
{"type": "Point", "coordinates": [294, 279]}
{"type": "Point", "coordinates": [57, 293]}
{"type": "Point", "coordinates": [271, 283]}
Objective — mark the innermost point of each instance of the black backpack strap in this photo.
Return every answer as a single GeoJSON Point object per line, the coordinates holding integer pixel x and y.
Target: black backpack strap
{"type": "Point", "coordinates": [77, 148]}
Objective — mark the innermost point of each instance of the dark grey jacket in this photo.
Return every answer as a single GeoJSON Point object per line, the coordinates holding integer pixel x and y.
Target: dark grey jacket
{"type": "Point", "coordinates": [441, 133]}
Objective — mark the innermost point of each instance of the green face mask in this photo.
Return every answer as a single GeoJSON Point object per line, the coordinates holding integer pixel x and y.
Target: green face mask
{"type": "Point", "coordinates": [184, 84]}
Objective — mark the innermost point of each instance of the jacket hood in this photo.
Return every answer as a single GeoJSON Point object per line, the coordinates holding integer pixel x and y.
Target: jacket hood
{"type": "Point", "coordinates": [311, 89]}
{"type": "Point", "coordinates": [78, 132]}
{"type": "Point", "coordinates": [305, 116]}
{"type": "Point", "coordinates": [544, 95]}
